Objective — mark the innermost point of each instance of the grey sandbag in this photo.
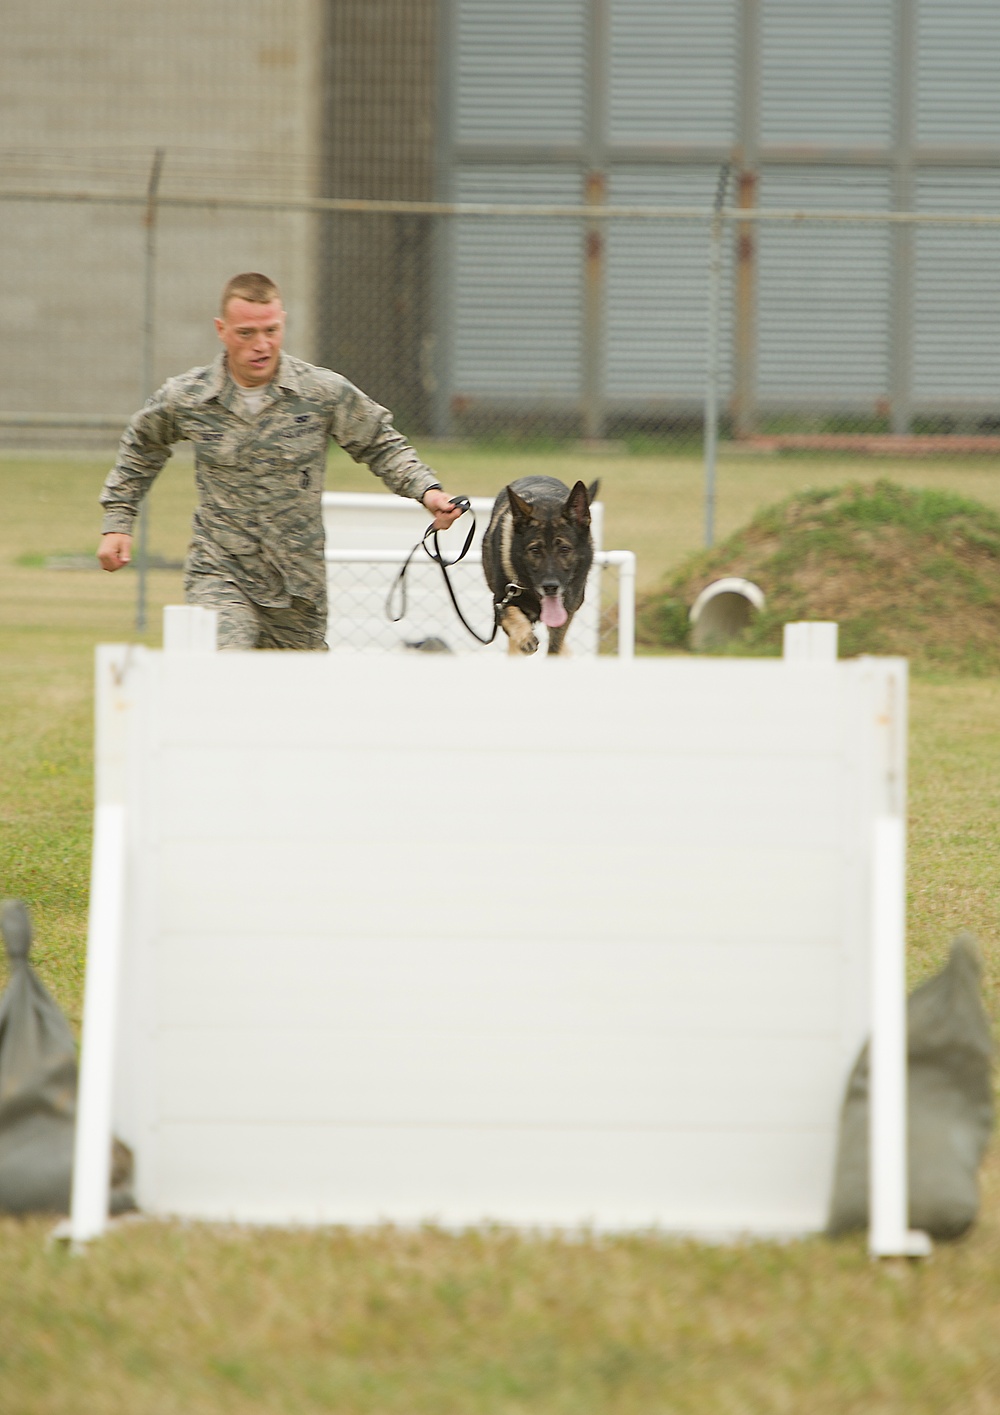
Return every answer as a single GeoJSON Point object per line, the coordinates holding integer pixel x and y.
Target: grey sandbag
{"type": "Point", "coordinates": [38, 1078]}
{"type": "Point", "coordinates": [949, 1105]}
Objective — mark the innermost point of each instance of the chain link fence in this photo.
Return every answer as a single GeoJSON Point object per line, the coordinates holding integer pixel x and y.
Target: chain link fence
{"type": "Point", "coordinates": [517, 219]}
{"type": "Point", "coordinates": [369, 614]}
{"type": "Point", "coordinates": [522, 319]}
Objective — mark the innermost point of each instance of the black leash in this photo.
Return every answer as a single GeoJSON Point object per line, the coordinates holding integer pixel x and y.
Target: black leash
{"type": "Point", "coordinates": [399, 583]}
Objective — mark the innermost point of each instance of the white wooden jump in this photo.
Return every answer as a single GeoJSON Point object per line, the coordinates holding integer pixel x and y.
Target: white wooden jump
{"type": "Point", "coordinates": [428, 938]}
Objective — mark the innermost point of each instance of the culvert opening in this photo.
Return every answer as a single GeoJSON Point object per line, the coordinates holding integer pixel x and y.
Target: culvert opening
{"type": "Point", "coordinates": [723, 610]}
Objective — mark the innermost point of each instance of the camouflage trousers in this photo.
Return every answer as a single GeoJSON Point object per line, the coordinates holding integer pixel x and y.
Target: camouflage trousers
{"type": "Point", "coordinates": [245, 625]}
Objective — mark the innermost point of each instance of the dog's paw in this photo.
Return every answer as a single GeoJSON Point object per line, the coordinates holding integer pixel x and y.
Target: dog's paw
{"type": "Point", "coordinates": [529, 645]}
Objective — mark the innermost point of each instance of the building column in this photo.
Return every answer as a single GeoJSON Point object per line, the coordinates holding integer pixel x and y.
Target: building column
{"type": "Point", "coordinates": [902, 240]}
{"type": "Point", "coordinates": [595, 235]}
{"type": "Point", "coordinates": [744, 394]}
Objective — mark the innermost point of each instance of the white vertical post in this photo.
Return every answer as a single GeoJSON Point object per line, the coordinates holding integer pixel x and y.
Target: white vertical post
{"type": "Point", "coordinates": [92, 1141]}
{"type": "Point", "coordinates": [92, 1146]}
{"type": "Point", "coordinates": [625, 560]}
{"type": "Point", "coordinates": [188, 628]}
{"type": "Point", "coordinates": [712, 352]}
{"type": "Point", "coordinates": [889, 1234]}
{"type": "Point", "coordinates": [810, 639]}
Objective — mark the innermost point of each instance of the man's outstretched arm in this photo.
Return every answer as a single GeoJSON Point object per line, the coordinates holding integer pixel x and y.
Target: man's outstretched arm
{"type": "Point", "coordinates": [142, 452]}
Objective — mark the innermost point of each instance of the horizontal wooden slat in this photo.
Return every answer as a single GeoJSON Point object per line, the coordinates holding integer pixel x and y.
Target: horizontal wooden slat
{"type": "Point", "coordinates": [295, 793]}
{"type": "Point", "coordinates": [742, 989]}
{"type": "Point", "coordinates": [680, 706]}
{"type": "Point", "coordinates": [498, 1075]}
{"type": "Point", "coordinates": [709, 1182]}
{"type": "Point", "coordinates": [435, 886]}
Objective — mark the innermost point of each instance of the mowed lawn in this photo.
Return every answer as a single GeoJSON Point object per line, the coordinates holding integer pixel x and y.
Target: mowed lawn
{"type": "Point", "coordinates": [162, 1318]}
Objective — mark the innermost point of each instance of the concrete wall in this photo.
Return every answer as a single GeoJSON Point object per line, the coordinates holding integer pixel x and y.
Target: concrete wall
{"type": "Point", "coordinates": [87, 94]}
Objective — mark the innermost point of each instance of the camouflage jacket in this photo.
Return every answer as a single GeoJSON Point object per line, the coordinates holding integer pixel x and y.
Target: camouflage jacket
{"type": "Point", "coordinates": [259, 521]}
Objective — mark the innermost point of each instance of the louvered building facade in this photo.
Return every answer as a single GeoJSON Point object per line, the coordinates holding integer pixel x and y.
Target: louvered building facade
{"type": "Point", "coordinates": [868, 106]}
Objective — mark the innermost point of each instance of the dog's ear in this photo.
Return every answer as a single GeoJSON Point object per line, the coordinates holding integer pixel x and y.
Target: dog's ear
{"type": "Point", "coordinates": [523, 512]}
{"type": "Point", "coordinates": [577, 508]}
{"type": "Point", "coordinates": [592, 491]}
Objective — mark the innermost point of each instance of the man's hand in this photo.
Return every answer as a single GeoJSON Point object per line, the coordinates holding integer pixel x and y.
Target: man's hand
{"type": "Point", "coordinates": [115, 550]}
{"type": "Point", "coordinates": [438, 502]}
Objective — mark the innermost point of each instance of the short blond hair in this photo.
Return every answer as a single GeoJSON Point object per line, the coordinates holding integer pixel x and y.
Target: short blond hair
{"type": "Point", "coordinates": [252, 286]}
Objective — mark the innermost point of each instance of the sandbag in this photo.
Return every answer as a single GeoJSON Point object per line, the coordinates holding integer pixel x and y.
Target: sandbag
{"type": "Point", "coordinates": [38, 1081]}
{"type": "Point", "coordinates": [949, 1106]}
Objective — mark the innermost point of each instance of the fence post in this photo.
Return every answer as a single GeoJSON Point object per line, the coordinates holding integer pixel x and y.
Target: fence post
{"type": "Point", "coordinates": [712, 352]}
{"type": "Point", "coordinates": [592, 412]}
{"type": "Point", "coordinates": [148, 345]}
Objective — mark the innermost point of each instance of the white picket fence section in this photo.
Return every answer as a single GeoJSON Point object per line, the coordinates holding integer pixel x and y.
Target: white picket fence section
{"type": "Point", "coordinates": [429, 938]}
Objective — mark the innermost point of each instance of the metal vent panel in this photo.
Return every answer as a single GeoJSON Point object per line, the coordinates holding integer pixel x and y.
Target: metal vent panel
{"type": "Point", "coordinates": [657, 289]}
{"type": "Point", "coordinates": [673, 71]}
{"type": "Point", "coordinates": [956, 318]}
{"type": "Point", "coordinates": [958, 71]}
{"type": "Point", "coordinates": [518, 291]}
{"type": "Point", "coordinates": [520, 73]}
{"type": "Point", "coordinates": [823, 299]}
{"type": "Point", "coordinates": [826, 72]}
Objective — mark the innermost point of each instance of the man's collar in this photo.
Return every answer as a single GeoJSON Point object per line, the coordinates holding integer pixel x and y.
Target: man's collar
{"type": "Point", "coordinates": [284, 377]}
{"type": "Point", "coordinates": [217, 380]}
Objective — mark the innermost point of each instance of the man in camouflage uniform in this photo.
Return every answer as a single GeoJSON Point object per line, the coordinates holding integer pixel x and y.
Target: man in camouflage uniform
{"type": "Point", "coordinates": [259, 421]}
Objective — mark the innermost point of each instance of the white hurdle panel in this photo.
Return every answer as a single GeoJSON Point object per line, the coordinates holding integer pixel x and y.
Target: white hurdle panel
{"type": "Point", "coordinates": [434, 938]}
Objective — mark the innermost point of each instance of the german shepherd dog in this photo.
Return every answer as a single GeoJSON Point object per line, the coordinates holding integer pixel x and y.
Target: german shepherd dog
{"type": "Point", "coordinates": [537, 553]}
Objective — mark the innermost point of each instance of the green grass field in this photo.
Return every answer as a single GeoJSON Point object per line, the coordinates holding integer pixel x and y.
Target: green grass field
{"type": "Point", "coordinates": [163, 1318]}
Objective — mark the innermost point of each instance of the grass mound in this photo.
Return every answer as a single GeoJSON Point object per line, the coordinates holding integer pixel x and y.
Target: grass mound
{"type": "Point", "coordinates": [901, 570]}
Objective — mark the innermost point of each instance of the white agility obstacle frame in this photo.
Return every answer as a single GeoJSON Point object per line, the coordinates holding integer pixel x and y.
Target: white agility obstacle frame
{"type": "Point", "coordinates": [368, 539]}
{"type": "Point", "coordinates": [420, 938]}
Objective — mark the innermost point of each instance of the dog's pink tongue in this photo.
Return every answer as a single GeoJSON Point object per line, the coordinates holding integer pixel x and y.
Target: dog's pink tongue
{"type": "Point", "coordinates": [553, 611]}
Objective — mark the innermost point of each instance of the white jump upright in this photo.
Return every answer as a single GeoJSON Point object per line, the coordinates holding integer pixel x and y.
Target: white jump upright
{"type": "Point", "coordinates": [426, 937]}
{"type": "Point", "coordinates": [92, 1140]}
{"type": "Point", "coordinates": [810, 640]}
{"type": "Point", "coordinates": [815, 642]}
{"type": "Point", "coordinates": [889, 1232]}
{"type": "Point", "coordinates": [189, 628]}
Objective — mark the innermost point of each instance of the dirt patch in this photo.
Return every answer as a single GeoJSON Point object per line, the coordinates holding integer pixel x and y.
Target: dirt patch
{"type": "Point", "coordinates": [902, 571]}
